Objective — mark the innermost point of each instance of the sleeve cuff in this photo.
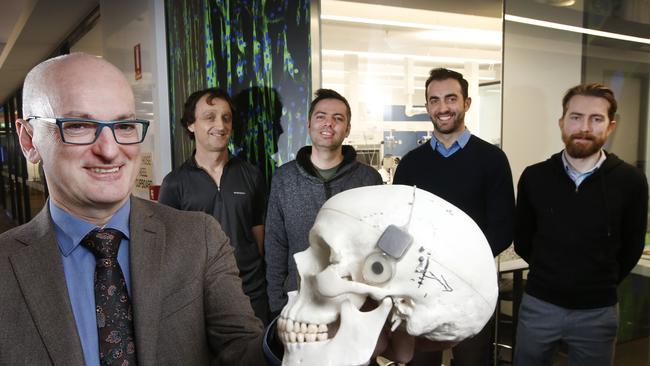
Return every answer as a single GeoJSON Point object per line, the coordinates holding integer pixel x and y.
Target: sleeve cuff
{"type": "Point", "coordinates": [271, 346]}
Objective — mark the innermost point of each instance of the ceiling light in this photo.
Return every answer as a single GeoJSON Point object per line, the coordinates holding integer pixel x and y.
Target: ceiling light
{"type": "Point", "coordinates": [465, 36]}
{"type": "Point", "coordinates": [559, 3]}
{"type": "Point", "coordinates": [401, 56]}
{"type": "Point", "coordinates": [394, 23]}
{"type": "Point", "coordinates": [570, 28]}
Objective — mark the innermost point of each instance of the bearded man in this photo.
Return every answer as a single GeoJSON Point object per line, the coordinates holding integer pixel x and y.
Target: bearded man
{"type": "Point", "coordinates": [580, 224]}
{"type": "Point", "coordinates": [470, 173]}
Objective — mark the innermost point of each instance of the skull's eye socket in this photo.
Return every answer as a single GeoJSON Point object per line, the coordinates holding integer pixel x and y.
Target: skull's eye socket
{"type": "Point", "coordinates": [378, 268]}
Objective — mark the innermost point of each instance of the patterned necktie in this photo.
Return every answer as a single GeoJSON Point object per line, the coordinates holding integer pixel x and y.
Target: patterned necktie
{"type": "Point", "coordinates": [112, 305]}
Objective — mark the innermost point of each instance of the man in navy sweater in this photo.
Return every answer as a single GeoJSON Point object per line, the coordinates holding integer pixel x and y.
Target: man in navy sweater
{"type": "Point", "coordinates": [580, 224]}
{"type": "Point", "coordinates": [468, 172]}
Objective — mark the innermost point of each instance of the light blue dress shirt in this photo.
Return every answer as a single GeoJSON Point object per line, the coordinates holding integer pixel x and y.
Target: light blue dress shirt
{"type": "Point", "coordinates": [79, 269]}
{"type": "Point", "coordinates": [457, 145]}
{"type": "Point", "coordinates": [575, 175]}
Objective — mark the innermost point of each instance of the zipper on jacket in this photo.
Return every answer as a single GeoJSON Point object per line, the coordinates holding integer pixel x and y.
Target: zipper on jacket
{"type": "Point", "coordinates": [328, 190]}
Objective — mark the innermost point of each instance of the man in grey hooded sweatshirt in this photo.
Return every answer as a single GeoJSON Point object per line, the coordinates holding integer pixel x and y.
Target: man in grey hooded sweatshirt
{"type": "Point", "coordinates": [300, 187]}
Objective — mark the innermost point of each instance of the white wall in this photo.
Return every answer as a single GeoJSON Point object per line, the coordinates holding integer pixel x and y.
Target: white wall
{"type": "Point", "coordinates": [539, 65]}
{"type": "Point", "coordinates": [489, 113]}
{"type": "Point", "coordinates": [125, 24]}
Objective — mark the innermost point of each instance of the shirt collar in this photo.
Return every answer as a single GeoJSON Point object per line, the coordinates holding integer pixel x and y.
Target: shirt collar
{"type": "Point", "coordinates": [570, 169]}
{"type": "Point", "coordinates": [462, 139]}
{"type": "Point", "coordinates": [192, 160]}
{"type": "Point", "coordinates": [71, 229]}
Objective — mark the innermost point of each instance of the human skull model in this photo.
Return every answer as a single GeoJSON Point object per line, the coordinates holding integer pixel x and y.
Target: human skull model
{"type": "Point", "coordinates": [425, 262]}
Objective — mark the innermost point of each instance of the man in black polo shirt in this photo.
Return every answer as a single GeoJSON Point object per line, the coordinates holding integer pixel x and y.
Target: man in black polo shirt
{"type": "Point", "coordinates": [224, 186]}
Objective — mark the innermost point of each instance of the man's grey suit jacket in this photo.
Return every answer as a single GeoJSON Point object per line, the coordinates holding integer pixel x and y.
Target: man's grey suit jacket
{"type": "Point", "coordinates": [189, 307]}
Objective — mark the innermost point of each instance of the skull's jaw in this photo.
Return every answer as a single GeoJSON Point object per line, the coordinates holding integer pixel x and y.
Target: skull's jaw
{"type": "Point", "coordinates": [351, 345]}
{"type": "Point", "coordinates": [291, 331]}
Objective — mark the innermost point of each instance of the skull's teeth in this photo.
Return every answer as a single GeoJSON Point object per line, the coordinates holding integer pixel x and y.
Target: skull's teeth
{"type": "Point", "coordinates": [292, 332]}
{"type": "Point", "coordinates": [396, 321]}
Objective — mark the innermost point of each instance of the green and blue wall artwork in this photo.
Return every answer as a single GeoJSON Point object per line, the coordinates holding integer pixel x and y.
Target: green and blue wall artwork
{"type": "Point", "coordinates": [259, 52]}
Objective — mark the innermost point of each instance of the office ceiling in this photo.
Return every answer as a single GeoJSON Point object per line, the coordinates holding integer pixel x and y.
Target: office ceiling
{"type": "Point", "coordinates": [30, 31]}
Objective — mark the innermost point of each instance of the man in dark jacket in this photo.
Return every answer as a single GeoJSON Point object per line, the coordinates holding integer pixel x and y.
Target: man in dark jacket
{"type": "Point", "coordinates": [580, 224]}
{"type": "Point", "coordinates": [300, 187]}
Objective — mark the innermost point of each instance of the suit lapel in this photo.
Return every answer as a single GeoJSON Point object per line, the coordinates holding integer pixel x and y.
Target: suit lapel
{"type": "Point", "coordinates": [147, 247]}
{"type": "Point", "coordinates": [39, 272]}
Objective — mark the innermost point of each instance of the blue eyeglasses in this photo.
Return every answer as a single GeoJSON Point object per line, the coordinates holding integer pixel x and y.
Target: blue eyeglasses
{"type": "Point", "coordinates": [85, 131]}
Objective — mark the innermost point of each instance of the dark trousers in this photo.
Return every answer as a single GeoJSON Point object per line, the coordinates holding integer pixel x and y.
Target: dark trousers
{"type": "Point", "coordinates": [590, 334]}
{"type": "Point", "coordinates": [260, 305]}
{"type": "Point", "coordinates": [475, 351]}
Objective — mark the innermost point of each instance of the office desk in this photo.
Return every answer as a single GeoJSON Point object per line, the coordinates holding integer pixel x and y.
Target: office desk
{"type": "Point", "coordinates": [512, 265]}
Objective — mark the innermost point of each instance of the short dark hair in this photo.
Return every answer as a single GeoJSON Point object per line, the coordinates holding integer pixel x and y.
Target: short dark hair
{"type": "Point", "coordinates": [329, 94]}
{"type": "Point", "coordinates": [189, 109]}
{"type": "Point", "coordinates": [591, 90]}
{"type": "Point", "coordinates": [441, 74]}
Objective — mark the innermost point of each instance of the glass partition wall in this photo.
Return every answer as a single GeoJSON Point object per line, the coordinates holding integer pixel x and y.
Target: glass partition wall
{"type": "Point", "coordinates": [520, 56]}
{"type": "Point", "coordinates": [550, 46]}
{"type": "Point", "coordinates": [616, 52]}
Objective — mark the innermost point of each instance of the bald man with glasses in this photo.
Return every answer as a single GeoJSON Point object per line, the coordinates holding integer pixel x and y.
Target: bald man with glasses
{"type": "Point", "coordinates": [100, 277]}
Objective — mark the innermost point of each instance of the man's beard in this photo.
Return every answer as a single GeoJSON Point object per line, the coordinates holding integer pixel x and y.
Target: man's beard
{"type": "Point", "coordinates": [581, 151]}
{"type": "Point", "coordinates": [457, 121]}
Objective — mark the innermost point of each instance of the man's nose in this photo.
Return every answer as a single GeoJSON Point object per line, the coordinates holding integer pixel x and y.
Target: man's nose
{"type": "Point", "coordinates": [219, 123]}
{"type": "Point", "coordinates": [328, 121]}
{"type": "Point", "coordinates": [585, 124]}
{"type": "Point", "coordinates": [105, 144]}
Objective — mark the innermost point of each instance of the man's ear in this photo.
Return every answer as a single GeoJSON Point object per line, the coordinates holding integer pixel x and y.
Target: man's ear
{"type": "Point", "coordinates": [468, 103]}
{"type": "Point", "coordinates": [26, 137]}
{"type": "Point", "coordinates": [611, 127]}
